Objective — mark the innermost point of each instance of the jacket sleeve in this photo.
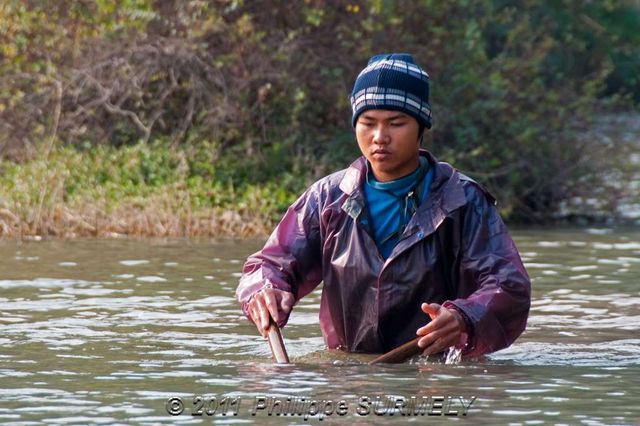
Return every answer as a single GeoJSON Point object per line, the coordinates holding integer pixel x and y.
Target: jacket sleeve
{"type": "Point", "coordinates": [494, 289]}
{"type": "Point", "coordinates": [291, 257]}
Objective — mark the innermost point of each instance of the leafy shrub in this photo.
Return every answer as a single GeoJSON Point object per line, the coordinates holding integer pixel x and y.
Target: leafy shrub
{"type": "Point", "coordinates": [264, 86]}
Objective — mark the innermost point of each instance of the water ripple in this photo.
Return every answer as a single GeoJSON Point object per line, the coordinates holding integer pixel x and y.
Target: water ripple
{"type": "Point", "coordinates": [114, 338]}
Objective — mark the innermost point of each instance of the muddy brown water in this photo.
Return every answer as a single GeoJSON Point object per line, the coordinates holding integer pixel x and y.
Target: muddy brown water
{"type": "Point", "coordinates": [149, 332]}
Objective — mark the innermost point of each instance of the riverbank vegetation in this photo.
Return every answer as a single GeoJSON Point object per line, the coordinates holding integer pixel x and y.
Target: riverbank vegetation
{"type": "Point", "coordinates": [143, 190]}
{"type": "Point", "coordinates": [143, 117]}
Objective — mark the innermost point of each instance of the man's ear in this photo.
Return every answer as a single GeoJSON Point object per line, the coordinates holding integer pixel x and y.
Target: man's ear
{"type": "Point", "coordinates": [421, 133]}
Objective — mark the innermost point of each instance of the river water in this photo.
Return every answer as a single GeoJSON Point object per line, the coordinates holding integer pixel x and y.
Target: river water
{"type": "Point", "coordinates": [127, 331]}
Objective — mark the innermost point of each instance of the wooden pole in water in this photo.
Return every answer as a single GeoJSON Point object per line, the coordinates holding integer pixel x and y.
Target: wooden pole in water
{"type": "Point", "coordinates": [399, 354]}
{"type": "Point", "coordinates": [274, 337]}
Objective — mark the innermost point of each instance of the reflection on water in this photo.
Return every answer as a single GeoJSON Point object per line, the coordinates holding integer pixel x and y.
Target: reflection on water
{"type": "Point", "coordinates": [106, 332]}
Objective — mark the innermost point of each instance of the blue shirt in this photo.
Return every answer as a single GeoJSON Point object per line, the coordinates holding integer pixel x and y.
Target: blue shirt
{"type": "Point", "coordinates": [386, 202]}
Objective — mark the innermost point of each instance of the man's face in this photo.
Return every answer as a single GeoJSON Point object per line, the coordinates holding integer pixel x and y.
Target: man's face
{"type": "Point", "coordinates": [390, 141]}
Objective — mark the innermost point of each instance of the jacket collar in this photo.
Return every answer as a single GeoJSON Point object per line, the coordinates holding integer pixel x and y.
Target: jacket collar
{"type": "Point", "coordinates": [354, 176]}
{"type": "Point", "coordinates": [446, 193]}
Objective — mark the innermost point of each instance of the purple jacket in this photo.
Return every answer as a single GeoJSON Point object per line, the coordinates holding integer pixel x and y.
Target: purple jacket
{"type": "Point", "coordinates": [455, 251]}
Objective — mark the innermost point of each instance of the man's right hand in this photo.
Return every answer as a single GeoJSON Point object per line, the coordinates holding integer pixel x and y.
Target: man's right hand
{"type": "Point", "coordinates": [269, 302]}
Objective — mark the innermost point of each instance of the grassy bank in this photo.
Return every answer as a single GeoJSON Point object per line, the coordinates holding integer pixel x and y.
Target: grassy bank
{"type": "Point", "coordinates": [141, 190]}
{"type": "Point", "coordinates": [160, 190]}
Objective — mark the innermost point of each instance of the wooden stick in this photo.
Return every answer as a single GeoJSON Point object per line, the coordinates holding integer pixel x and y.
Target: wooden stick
{"type": "Point", "coordinates": [274, 337]}
{"type": "Point", "coordinates": [399, 354]}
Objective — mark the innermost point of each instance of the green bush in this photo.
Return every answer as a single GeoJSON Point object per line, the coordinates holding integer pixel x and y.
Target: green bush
{"type": "Point", "coordinates": [256, 92]}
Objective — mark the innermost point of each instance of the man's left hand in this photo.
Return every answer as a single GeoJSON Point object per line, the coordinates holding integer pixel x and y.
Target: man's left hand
{"type": "Point", "coordinates": [444, 330]}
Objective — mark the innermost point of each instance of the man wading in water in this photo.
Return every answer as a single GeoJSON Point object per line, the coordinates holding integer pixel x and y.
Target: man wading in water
{"type": "Point", "coordinates": [399, 239]}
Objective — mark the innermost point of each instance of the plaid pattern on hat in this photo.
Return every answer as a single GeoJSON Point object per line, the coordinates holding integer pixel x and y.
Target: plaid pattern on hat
{"type": "Point", "coordinates": [395, 82]}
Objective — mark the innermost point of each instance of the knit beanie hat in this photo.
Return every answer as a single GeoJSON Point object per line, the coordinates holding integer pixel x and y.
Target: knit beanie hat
{"type": "Point", "coordinates": [392, 81]}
